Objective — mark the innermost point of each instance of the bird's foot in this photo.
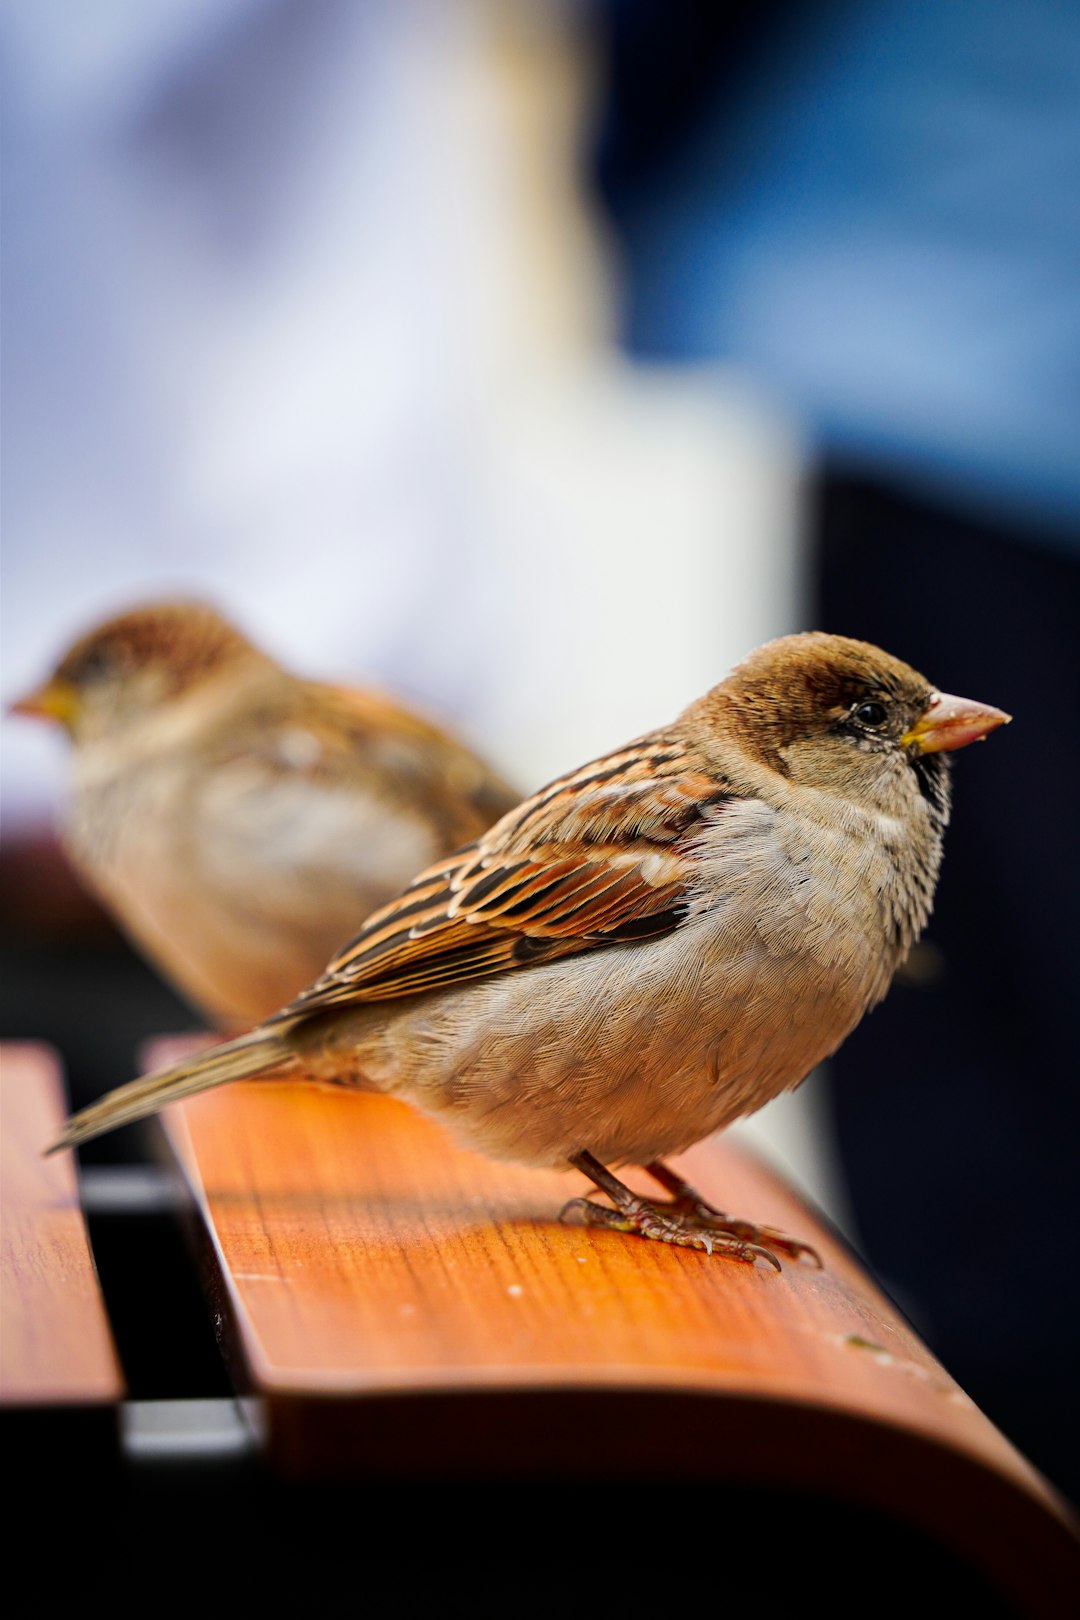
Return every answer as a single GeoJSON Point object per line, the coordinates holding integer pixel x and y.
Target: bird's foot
{"type": "Point", "coordinates": [663, 1223]}
{"type": "Point", "coordinates": [697, 1211]}
{"type": "Point", "coordinates": [687, 1220]}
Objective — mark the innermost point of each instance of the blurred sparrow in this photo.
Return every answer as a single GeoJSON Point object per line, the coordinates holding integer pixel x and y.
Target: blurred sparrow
{"type": "Point", "coordinates": [651, 946]}
{"type": "Point", "coordinates": [240, 822]}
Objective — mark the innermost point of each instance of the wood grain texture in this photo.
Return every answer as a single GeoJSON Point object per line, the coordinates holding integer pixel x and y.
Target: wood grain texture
{"type": "Point", "coordinates": [403, 1307]}
{"type": "Point", "coordinates": [56, 1347]}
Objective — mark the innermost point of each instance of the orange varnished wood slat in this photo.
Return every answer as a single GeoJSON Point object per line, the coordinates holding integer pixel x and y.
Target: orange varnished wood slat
{"type": "Point", "coordinates": [403, 1305]}
{"type": "Point", "coordinates": [405, 1308]}
{"type": "Point", "coordinates": [56, 1347]}
{"type": "Point", "coordinates": [414, 1260]}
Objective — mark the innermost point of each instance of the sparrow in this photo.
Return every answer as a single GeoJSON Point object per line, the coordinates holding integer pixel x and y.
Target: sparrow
{"type": "Point", "coordinates": [648, 948]}
{"type": "Point", "coordinates": [240, 822]}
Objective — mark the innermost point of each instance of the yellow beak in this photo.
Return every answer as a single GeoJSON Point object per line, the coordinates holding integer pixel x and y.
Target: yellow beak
{"type": "Point", "coordinates": [56, 700]}
{"type": "Point", "coordinates": [952, 722]}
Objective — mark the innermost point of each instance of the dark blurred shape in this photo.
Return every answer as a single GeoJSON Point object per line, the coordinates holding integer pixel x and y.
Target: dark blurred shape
{"type": "Point", "coordinates": [970, 1074]}
{"type": "Point", "coordinates": [871, 209]}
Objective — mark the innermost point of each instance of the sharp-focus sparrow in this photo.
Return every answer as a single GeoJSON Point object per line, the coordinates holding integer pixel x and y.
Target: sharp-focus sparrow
{"type": "Point", "coordinates": [651, 946]}
{"type": "Point", "coordinates": [240, 822]}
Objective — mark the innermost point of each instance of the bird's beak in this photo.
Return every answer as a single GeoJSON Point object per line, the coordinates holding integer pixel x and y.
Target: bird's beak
{"type": "Point", "coordinates": [56, 700]}
{"type": "Point", "coordinates": [952, 722]}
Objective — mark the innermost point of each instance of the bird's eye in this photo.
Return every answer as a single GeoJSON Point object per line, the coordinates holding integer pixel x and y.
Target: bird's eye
{"type": "Point", "coordinates": [94, 665]}
{"type": "Point", "coordinates": [870, 713]}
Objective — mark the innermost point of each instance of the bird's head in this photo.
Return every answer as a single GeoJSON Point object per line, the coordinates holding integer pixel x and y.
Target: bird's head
{"type": "Point", "coordinates": [841, 715]}
{"type": "Point", "coordinates": [131, 665]}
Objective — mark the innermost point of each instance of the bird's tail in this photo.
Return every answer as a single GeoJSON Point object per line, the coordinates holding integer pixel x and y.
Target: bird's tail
{"type": "Point", "coordinates": [233, 1060]}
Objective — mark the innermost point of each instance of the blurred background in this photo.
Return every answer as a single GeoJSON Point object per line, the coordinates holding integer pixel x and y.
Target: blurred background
{"type": "Point", "coordinates": [536, 361]}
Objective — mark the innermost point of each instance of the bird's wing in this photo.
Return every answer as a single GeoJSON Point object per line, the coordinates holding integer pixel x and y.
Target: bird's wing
{"type": "Point", "coordinates": [418, 758]}
{"type": "Point", "coordinates": [315, 799]}
{"type": "Point", "coordinates": [347, 740]}
{"type": "Point", "coordinates": [596, 858]}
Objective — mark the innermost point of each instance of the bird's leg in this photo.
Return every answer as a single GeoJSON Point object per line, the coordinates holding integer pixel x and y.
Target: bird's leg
{"type": "Point", "coordinates": [660, 1222]}
{"type": "Point", "coordinates": [688, 1202]}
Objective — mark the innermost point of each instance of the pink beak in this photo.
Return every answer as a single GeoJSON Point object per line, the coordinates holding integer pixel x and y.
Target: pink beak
{"type": "Point", "coordinates": [953, 722]}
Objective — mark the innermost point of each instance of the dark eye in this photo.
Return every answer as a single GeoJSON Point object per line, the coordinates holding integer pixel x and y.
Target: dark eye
{"type": "Point", "coordinates": [88, 667]}
{"type": "Point", "coordinates": [870, 713]}
{"type": "Point", "coordinates": [94, 665]}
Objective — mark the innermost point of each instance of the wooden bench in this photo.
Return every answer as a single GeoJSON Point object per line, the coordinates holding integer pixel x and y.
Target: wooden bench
{"type": "Point", "coordinates": [419, 1347]}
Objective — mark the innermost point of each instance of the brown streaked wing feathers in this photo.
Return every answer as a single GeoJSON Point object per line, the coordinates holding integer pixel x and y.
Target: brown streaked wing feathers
{"type": "Point", "coordinates": [593, 859]}
{"type": "Point", "coordinates": [365, 738]}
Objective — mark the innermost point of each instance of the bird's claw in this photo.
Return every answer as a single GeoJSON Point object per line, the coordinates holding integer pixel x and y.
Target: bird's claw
{"type": "Point", "coordinates": [770, 1237]}
{"type": "Point", "coordinates": [666, 1224]}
